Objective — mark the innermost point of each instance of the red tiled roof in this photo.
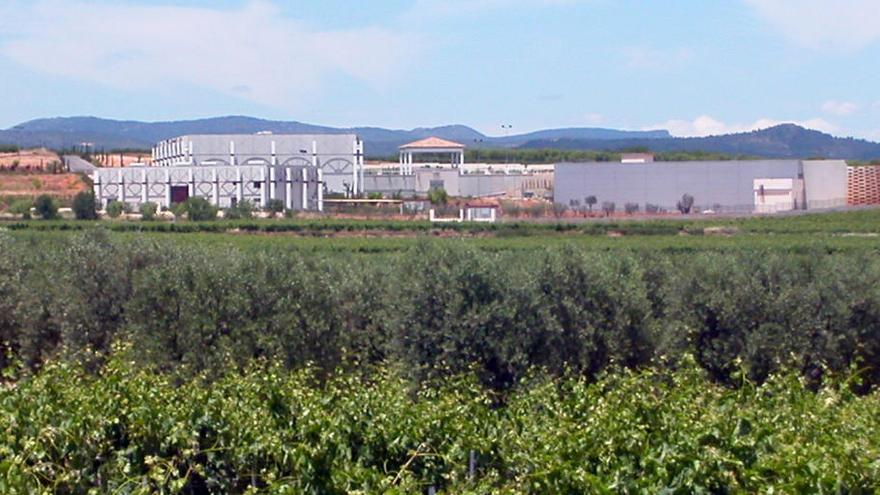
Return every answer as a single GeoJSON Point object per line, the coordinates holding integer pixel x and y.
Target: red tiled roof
{"type": "Point", "coordinates": [432, 142]}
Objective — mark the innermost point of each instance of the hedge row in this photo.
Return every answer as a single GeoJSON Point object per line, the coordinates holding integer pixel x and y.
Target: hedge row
{"type": "Point", "coordinates": [440, 307]}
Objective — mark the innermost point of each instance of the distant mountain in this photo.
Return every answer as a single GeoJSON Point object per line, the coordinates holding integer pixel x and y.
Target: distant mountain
{"type": "Point", "coordinates": [64, 132]}
{"type": "Point", "coordinates": [781, 141]}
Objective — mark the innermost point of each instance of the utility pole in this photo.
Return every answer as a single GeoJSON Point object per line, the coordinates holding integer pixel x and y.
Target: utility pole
{"type": "Point", "coordinates": [506, 128]}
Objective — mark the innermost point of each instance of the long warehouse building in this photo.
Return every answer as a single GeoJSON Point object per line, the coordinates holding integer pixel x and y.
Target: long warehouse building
{"type": "Point", "coordinates": [760, 186]}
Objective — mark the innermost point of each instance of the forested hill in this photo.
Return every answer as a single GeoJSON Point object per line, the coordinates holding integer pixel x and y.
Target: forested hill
{"type": "Point", "coordinates": [782, 141]}
{"type": "Point", "coordinates": [117, 134]}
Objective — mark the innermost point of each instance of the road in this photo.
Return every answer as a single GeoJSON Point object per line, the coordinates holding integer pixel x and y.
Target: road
{"type": "Point", "coordinates": [77, 165]}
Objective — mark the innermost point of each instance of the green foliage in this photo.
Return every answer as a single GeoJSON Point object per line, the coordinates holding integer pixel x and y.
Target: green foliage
{"type": "Point", "coordinates": [685, 204]}
{"type": "Point", "coordinates": [199, 209]}
{"type": "Point", "coordinates": [21, 207]}
{"type": "Point", "coordinates": [114, 209]}
{"type": "Point", "coordinates": [275, 206]}
{"type": "Point", "coordinates": [438, 307]}
{"type": "Point", "coordinates": [46, 207]}
{"type": "Point", "coordinates": [242, 210]}
{"type": "Point", "coordinates": [267, 430]}
{"type": "Point", "coordinates": [148, 211]}
{"type": "Point", "coordinates": [84, 206]}
{"type": "Point", "coordinates": [438, 196]}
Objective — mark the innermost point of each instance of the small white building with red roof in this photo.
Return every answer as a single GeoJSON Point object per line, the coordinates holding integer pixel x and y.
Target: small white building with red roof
{"type": "Point", "coordinates": [430, 146]}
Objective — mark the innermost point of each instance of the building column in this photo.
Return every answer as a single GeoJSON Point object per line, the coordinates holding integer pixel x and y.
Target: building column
{"type": "Point", "coordinates": [288, 199]}
{"type": "Point", "coordinates": [263, 187]}
{"type": "Point", "coordinates": [360, 157]}
{"type": "Point", "coordinates": [239, 188]}
{"type": "Point", "coordinates": [191, 183]}
{"type": "Point", "coordinates": [320, 190]}
{"type": "Point", "coordinates": [215, 186]}
{"type": "Point", "coordinates": [232, 152]}
{"type": "Point", "coordinates": [121, 186]}
{"type": "Point", "coordinates": [167, 189]}
{"type": "Point", "coordinates": [305, 188]}
{"type": "Point", "coordinates": [272, 192]}
{"type": "Point", "coordinates": [274, 160]}
{"type": "Point", "coordinates": [145, 192]}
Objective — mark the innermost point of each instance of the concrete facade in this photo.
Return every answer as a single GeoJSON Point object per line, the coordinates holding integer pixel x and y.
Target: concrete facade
{"type": "Point", "coordinates": [420, 181]}
{"type": "Point", "coordinates": [340, 157]}
{"type": "Point", "coordinates": [299, 187]}
{"type": "Point", "coordinates": [826, 183]}
{"type": "Point", "coordinates": [737, 186]}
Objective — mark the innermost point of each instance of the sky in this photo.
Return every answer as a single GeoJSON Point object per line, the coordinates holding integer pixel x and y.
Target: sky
{"type": "Point", "coordinates": [694, 67]}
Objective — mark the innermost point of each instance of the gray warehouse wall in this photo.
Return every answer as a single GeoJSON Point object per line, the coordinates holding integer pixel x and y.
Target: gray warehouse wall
{"type": "Point", "coordinates": [726, 183]}
{"type": "Point", "coordinates": [825, 182]}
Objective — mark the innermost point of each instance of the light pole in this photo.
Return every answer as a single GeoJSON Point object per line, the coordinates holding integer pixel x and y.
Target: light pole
{"type": "Point", "coordinates": [506, 128]}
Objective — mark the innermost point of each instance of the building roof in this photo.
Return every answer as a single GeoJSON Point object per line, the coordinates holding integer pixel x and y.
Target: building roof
{"type": "Point", "coordinates": [432, 142]}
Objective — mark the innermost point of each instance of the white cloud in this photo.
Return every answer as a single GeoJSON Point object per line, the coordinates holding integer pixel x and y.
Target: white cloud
{"type": "Point", "coordinates": [594, 118]}
{"type": "Point", "coordinates": [840, 108]}
{"type": "Point", "coordinates": [707, 126]}
{"type": "Point", "coordinates": [252, 52]}
{"type": "Point", "coordinates": [823, 24]}
{"type": "Point", "coordinates": [642, 57]}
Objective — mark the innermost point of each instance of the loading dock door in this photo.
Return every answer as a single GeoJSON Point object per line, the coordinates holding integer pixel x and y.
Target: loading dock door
{"type": "Point", "coordinates": [179, 194]}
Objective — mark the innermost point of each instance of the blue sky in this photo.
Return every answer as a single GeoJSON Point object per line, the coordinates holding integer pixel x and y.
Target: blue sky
{"type": "Point", "coordinates": [695, 67]}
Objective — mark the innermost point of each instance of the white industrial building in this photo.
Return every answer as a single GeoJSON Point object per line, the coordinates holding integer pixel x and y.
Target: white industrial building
{"type": "Point", "coordinates": [297, 169]}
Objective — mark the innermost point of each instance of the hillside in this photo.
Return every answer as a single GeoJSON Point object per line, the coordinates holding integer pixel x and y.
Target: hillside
{"type": "Point", "coordinates": [782, 141]}
{"type": "Point", "coordinates": [114, 134]}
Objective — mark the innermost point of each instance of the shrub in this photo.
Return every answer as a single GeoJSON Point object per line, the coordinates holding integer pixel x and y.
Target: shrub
{"type": "Point", "coordinates": [438, 196]}
{"type": "Point", "coordinates": [275, 206]}
{"type": "Point", "coordinates": [148, 211]}
{"type": "Point", "coordinates": [114, 209]}
{"type": "Point", "coordinates": [46, 207]}
{"type": "Point", "coordinates": [84, 206]}
{"type": "Point", "coordinates": [21, 207]}
{"type": "Point", "coordinates": [244, 209]}
{"type": "Point", "coordinates": [199, 209]}
{"type": "Point", "coordinates": [608, 207]}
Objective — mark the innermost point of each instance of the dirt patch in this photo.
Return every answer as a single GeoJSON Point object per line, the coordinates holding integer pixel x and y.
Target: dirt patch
{"type": "Point", "coordinates": [29, 160]}
{"type": "Point", "coordinates": [14, 185]}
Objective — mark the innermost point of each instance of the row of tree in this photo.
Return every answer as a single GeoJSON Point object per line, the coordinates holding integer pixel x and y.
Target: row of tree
{"type": "Point", "coordinates": [441, 308]}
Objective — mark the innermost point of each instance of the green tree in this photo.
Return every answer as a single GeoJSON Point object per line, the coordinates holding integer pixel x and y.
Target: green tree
{"type": "Point", "coordinates": [590, 201]}
{"type": "Point", "coordinates": [199, 209]}
{"type": "Point", "coordinates": [685, 204]}
{"type": "Point", "coordinates": [46, 207]}
{"type": "Point", "coordinates": [84, 206]}
{"type": "Point", "coordinates": [22, 207]}
{"type": "Point", "coordinates": [275, 206]}
{"type": "Point", "coordinates": [438, 196]}
{"type": "Point", "coordinates": [114, 209]}
{"type": "Point", "coordinates": [148, 211]}
{"type": "Point", "coordinates": [243, 209]}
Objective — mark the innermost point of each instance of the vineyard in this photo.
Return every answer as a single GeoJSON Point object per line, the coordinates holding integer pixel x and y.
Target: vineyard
{"type": "Point", "coordinates": [229, 363]}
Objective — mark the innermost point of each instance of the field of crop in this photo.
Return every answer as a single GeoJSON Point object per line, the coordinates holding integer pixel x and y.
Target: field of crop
{"type": "Point", "coordinates": [322, 356]}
